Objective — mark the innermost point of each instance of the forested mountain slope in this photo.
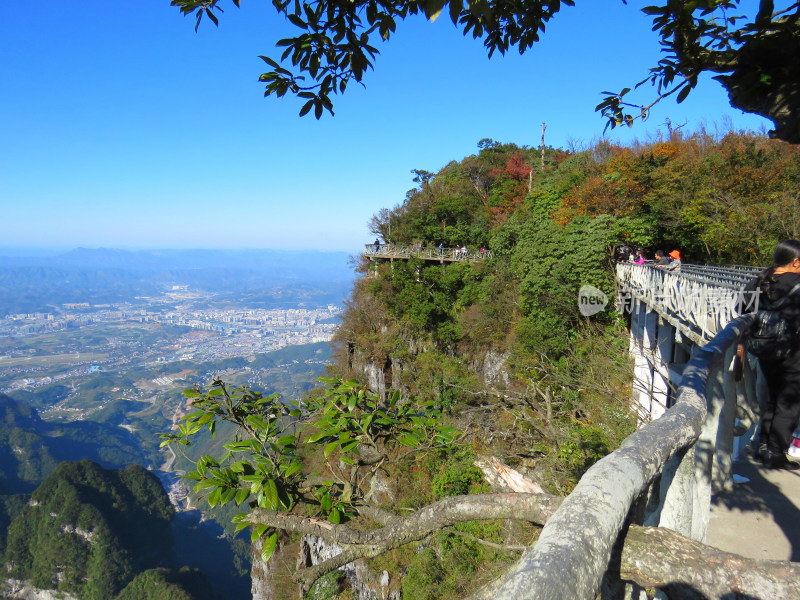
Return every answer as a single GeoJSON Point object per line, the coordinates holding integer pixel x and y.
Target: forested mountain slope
{"type": "Point", "coordinates": [500, 343]}
{"type": "Point", "coordinates": [90, 532]}
{"type": "Point", "coordinates": [30, 448]}
{"type": "Point", "coordinates": [552, 227]}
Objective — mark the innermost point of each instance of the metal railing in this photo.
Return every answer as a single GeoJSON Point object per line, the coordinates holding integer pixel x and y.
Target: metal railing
{"type": "Point", "coordinates": [699, 300]}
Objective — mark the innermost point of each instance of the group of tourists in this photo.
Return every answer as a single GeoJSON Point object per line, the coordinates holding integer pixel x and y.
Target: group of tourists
{"type": "Point", "coordinates": [670, 262]}
{"type": "Point", "coordinates": [458, 252]}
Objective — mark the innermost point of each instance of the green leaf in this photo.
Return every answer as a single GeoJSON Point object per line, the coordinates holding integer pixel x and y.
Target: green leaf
{"type": "Point", "coordinates": [335, 516]}
{"type": "Point", "coordinates": [241, 496]}
{"type": "Point", "coordinates": [316, 437]}
{"type": "Point", "coordinates": [350, 446]}
{"type": "Point", "coordinates": [269, 547]}
{"type": "Point", "coordinates": [205, 483]}
{"type": "Point", "coordinates": [306, 107]}
{"type": "Point", "coordinates": [214, 497]}
{"type": "Point", "coordinates": [325, 502]}
{"type": "Point", "coordinates": [258, 531]}
{"type": "Point", "coordinates": [271, 494]}
{"type": "Point", "coordinates": [410, 440]}
{"type": "Point", "coordinates": [293, 468]}
{"type": "Point", "coordinates": [365, 422]}
{"type": "Point", "coordinates": [455, 10]}
{"type": "Point", "coordinates": [330, 448]}
{"type": "Point", "coordinates": [240, 526]}
{"type": "Point", "coordinates": [228, 495]}
{"type": "Point", "coordinates": [271, 63]}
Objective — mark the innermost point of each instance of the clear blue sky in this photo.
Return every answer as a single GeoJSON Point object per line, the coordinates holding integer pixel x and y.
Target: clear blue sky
{"type": "Point", "coordinates": [122, 127]}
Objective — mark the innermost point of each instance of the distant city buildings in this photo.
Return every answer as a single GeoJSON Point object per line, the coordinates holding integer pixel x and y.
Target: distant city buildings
{"type": "Point", "coordinates": [215, 333]}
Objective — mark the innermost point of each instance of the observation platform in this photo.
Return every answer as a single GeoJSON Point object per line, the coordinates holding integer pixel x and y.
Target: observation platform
{"type": "Point", "coordinates": [432, 253]}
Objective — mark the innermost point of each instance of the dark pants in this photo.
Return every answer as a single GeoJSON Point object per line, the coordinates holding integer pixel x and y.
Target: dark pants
{"type": "Point", "coordinates": [782, 411]}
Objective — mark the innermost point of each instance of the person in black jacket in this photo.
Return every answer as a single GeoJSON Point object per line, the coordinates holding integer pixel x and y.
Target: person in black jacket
{"type": "Point", "coordinates": [662, 260]}
{"type": "Point", "coordinates": [782, 410]}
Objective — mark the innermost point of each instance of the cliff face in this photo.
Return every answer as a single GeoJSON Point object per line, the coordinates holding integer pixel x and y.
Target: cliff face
{"type": "Point", "coordinates": [489, 366]}
{"type": "Point", "coordinates": [23, 590]}
{"type": "Point", "coordinates": [365, 583]}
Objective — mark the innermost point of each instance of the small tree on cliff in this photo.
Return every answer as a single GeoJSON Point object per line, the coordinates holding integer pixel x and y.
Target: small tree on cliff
{"type": "Point", "coordinates": [756, 57]}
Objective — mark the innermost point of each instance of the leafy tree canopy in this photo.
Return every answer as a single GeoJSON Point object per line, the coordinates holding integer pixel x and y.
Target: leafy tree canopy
{"type": "Point", "coordinates": [756, 57]}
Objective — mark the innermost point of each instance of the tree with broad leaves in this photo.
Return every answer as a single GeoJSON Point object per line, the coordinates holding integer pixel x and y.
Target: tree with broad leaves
{"type": "Point", "coordinates": [756, 57]}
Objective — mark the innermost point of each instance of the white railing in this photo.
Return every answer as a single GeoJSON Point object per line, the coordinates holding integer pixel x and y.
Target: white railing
{"type": "Point", "coordinates": [699, 304]}
{"type": "Point", "coordinates": [688, 450]}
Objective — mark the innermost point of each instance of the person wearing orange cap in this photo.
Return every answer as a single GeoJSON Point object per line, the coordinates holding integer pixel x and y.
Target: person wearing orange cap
{"type": "Point", "coordinates": [675, 264]}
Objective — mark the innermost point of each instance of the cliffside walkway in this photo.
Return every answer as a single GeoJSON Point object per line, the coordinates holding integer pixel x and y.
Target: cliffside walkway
{"type": "Point", "coordinates": [443, 255]}
{"type": "Point", "coordinates": [679, 471]}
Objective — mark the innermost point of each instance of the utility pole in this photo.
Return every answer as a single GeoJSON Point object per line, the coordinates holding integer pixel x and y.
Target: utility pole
{"type": "Point", "coordinates": [541, 165]}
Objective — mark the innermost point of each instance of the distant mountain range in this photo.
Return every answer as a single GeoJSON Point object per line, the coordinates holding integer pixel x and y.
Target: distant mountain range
{"type": "Point", "coordinates": [292, 265]}
{"type": "Point", "coordinates": [32, 283]}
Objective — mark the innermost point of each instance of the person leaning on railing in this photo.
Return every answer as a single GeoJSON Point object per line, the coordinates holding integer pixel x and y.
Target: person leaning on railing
{"type": "Point", "coordinates": [675, 262]}
{"type": "Point", "coordinates": [782, 410]}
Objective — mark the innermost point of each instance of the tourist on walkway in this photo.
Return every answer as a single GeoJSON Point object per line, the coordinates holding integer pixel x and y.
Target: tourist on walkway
{"type": "Point", "coordinates": [780, 415]}
{"type": "Point", "coordinates": [674, 264]}
{"type": "Point", "coordinates": [640, 259]}
{"type": "Point", "coordinates": [662, 260]}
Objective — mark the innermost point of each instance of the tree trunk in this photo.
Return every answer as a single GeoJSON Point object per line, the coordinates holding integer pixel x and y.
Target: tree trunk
{"type": "Point", "coordinates": [650, 557]}
{"type": "Point", "coordinates": [686, 569]}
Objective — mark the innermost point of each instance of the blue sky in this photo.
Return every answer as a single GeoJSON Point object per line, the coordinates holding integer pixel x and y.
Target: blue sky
{"type": "Point", "coordinates": [122, 127]}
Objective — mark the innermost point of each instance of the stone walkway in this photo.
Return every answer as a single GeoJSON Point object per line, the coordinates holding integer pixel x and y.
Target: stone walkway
{"type": "Point", "coordinates": [761, 518]}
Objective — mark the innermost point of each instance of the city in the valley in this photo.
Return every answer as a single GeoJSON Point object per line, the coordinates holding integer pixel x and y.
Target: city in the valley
{"type": "Point", "coordinates": [80, 357]}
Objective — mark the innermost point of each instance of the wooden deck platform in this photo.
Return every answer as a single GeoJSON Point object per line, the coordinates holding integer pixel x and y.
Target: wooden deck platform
{"type": "Point", "coordinates": [442, 255]}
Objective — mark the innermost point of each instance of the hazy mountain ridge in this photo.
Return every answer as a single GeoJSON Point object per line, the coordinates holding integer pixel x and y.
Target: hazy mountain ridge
{"type": "Point", "coordinates": [100, 276]}
{"type": "Point", "coordinates": [290, 264]}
